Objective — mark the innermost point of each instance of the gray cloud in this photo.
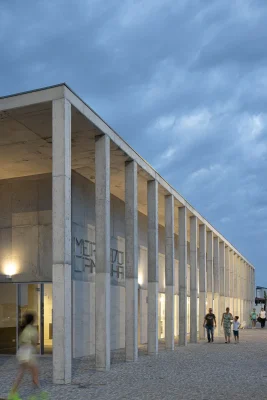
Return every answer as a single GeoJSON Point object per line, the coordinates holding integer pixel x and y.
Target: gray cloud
{"type": "Point", "coordinates": [185, 83]}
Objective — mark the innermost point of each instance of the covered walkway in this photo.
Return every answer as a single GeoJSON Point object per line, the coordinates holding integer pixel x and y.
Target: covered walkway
{"type": "Point", "coordinates": [205, 371]}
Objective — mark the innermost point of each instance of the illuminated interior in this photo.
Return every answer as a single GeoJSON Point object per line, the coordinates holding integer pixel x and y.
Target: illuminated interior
{"type": "Point", "coordinates": [15, 301]}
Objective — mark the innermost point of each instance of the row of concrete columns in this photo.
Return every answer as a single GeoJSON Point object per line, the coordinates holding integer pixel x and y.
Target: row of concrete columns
{"type": "Point", "coordinates": [222, 274]}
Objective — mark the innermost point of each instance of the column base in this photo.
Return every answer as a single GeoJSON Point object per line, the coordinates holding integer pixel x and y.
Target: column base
{"type": "Point", "coordinates": [202, 313]}
{"type": "Point", "coordinates": [62, 305]}
{"type": "Point", "coordinates": [102, 298]}
{"type": "Point", "coordinates": [152, 329]}
{"type": "Point", "coordinates": [131, 319]}
{"type": "Point", "coordinates": [182, 318]}
{"type": "Point", "coordinates": [169, 317]}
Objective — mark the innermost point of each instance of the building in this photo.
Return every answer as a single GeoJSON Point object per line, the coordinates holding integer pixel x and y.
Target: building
{"type": "Point", "coordinates": [105, 251]}
{"type": "Point", "coordinates": [260, 300]}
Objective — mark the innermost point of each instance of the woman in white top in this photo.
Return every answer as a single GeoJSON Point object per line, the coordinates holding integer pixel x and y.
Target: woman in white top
{"type": "Point", "coordinates": [262, 316]}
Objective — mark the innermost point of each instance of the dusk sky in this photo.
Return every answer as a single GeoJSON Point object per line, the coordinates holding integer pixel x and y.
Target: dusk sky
{"type": "Point", "coordinates": [184, 82]}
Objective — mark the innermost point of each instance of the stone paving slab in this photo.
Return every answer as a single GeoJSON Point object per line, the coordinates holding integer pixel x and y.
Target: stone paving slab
{"type": "Point", "coordinates": [204, 371]}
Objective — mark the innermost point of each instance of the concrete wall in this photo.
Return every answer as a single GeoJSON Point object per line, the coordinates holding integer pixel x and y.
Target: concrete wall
{"type": "Point", "coordinates": [25, 228]}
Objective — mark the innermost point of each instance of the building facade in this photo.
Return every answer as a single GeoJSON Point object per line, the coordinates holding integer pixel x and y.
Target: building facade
{"type": "Point", "coordinates": [98, 244]}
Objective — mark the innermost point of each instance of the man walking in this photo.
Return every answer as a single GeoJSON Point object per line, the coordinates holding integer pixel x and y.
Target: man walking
{"type": "Point", "coordinates": [210, 324]}
{"type": "Point", "coordinates": [262, 316]}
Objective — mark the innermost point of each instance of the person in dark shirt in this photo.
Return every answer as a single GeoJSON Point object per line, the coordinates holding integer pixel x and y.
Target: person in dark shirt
{"type": "Point", "coordinates": [210, 324]}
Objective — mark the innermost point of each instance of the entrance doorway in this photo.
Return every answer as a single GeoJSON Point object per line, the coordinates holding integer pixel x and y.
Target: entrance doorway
{"type": "Point", "coordinates": [15, 300]}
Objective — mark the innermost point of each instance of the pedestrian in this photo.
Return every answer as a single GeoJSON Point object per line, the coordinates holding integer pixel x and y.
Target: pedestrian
{"type": "Point", "coordinates": [262, 317]}
{"type": "Point", "coordinates": [210, 324]}
{"type": "Point", "coordinates": [27, 353]}
{"type": "Point", "coordinates": [236, 325]}
{"type": "Point", "coordinates": [253, 317]}
{"type": "Point", "coordinates": [227, 319]}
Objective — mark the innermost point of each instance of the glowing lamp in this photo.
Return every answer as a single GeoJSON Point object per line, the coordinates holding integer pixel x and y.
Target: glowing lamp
{"type": "Point", "coordinates": [10, 269]}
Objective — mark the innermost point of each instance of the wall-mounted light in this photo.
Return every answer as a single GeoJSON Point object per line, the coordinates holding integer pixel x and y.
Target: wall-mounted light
{"type": "Point", "coordinates": [10, 269]}
{"type": "Point", "coordinates": [140, 280]}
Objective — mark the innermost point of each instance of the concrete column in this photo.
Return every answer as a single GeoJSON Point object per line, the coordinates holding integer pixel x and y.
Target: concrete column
{"type": "Point", "coordinates": [235, 289]}
{"type": "Point", "coordinates": [251, 283]}
{"type": "Point", "coordinates": [202, 279]}
{"type": "Point", "coordinates": [61, 233]}
{"type": "Point", "coordinates": [222, 280]}
{"type": "Point", "coordinates": [247, 291]}
{"type": "Point", "coordinates": [252, 288]}
{"type": "Point", "coordinates": [238, 287]}
{"type": "Point", "coordinates": [182, 276]}
{"type": "Point", "coordinates": [153, 269]}
{"type": "Point", "coordinates": [227, 278]}
{"type": "Point", "coordinates": [102, 252]}
{"type": "Point", "coordinates": [193, 279]}
{"type": "Point", "coordinates": [249, 287]}
{"type": "Point", "coordinates": [169, 272]}
{"type": "Point", "coordinates": [210, 294]}
{"type": "Point", "coordinates": [131, 261]}
{"type": "Point", "coordinates": [231, 280]}
{"type": "Point", "coordinates": [216, 272]}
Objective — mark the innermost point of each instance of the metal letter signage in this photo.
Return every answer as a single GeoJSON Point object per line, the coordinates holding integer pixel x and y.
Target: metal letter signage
{"type": "Point", "coordinates": [84, 254]}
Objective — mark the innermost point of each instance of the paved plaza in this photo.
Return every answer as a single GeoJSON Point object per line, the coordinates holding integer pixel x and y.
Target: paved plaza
{"type": "Point", "coordinates": [203, 371]}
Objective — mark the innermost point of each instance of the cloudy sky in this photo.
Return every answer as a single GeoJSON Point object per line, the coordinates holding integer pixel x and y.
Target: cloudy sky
{"type": "Point", "coordinates": [184, 82]}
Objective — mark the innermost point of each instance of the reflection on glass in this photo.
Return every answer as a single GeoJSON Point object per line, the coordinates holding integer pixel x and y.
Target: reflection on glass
{"type": "Point", "coordinates": [8, 318]}
{"type": "Point", "coordinates": [48, 311]}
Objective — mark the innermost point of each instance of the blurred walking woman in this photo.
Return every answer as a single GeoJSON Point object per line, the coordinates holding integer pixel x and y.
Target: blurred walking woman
{"type": "Point", "coordinates": [227, 320]}
{"type": "Point", "coordinates": [27, 353]}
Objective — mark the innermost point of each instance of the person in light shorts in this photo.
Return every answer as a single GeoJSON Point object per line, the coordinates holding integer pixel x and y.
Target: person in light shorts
{"type": "Point", "coordinates": [236, 325]}
{"type": "Point", "coordinates": [26, 355]}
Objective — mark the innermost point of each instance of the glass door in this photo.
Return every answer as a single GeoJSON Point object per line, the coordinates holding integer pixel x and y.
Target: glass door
{"type": "Point", "coordinates": [37, 298]}
{"type": "Point", "coordinates": [15, 301]}
{"type": "Point", "coordinates": [29, 300]}
{"type": "Point", "coordinates": [8, 318]}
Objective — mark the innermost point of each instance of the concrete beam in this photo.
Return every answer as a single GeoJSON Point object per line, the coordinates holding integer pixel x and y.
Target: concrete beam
{"type": "Point", "coordinates": [32, 97]}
